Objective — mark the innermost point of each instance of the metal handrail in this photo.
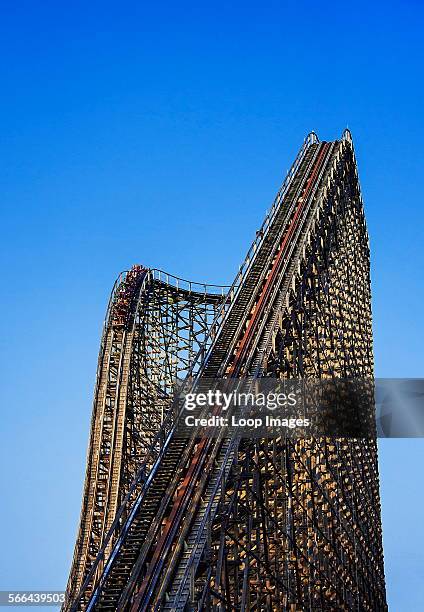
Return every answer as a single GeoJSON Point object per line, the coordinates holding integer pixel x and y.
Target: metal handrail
{"type": "Point", "coordinates": [311, 138]}
{"type": "Point", "coordinates": [178, 283]}
{"type": "Point", "coordinates": [154, 455]}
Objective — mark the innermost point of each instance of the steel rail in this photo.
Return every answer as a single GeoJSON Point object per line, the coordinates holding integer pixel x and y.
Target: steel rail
{"type": "Point", "coordinates": [199, 460]}
{"type": "Point", "coordinates": [232, 293]}
{"type": "Point", "coordinates": [319, 166]}
{"type": "Point", "coordinates": [247, 338]}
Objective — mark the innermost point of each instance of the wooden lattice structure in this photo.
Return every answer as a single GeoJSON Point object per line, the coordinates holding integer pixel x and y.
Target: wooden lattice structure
{"type": "Point", "coordinates": [224, 523]}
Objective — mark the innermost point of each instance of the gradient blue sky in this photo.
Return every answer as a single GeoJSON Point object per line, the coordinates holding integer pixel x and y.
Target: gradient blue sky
{"type": "Point", "coordinates": [160, 136]}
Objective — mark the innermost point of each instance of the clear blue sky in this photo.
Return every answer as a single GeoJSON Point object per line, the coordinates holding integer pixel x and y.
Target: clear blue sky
{"type": "Point", "coordinates": [133, 134]}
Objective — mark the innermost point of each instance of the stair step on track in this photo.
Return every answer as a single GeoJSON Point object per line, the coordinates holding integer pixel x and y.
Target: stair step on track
{"type": "Point", "coordinates": [138, 530]}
